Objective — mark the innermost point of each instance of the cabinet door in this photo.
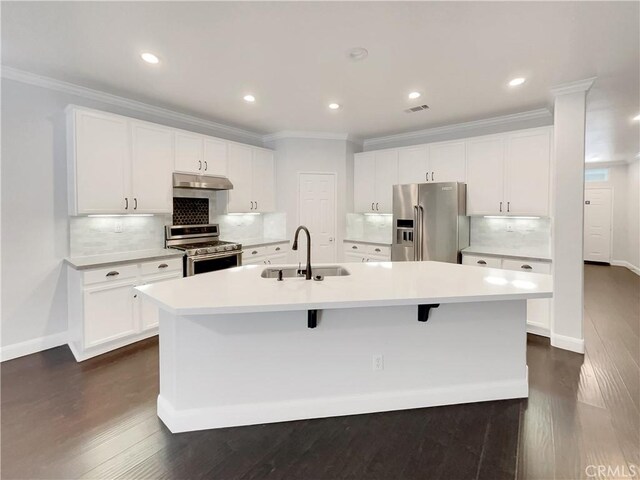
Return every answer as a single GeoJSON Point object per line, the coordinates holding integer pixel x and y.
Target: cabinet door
{"type": "Point", "coordinates": [151, 168]}
{"type": "Point", "coordinates": [108, 313]}
{"type": "Point", "coordinates": [364, 174]}
{"type": "Point", "coordinates": [215, 156]}
{"type": "Point", "coordinates": [353, 257]}
{"type": "Point", "coordinates": [241, 175]}
{"type": "Point", "coordinates": [386, 177]}
{"type": "Point", "coordinates": [528, 158]}
{"type": "Point", "coordinates": [100, 151]}
{"type": "Point", "coordinates": [448, 162]}
{"type": "Point", "coordinates": [538, 310]}
{"type": "Point", "coordinates": [189, 152]}
{"type": "Point", "coordinates": [279, 259]}
{"type": "Point", "coordinates": [150, 313]}
{"type": "Point", "coordinates": [263, 181]}
{"type": "Point", "coordinates": [485, 177]}
{"type": "Point", "coordinates": [412, 164]}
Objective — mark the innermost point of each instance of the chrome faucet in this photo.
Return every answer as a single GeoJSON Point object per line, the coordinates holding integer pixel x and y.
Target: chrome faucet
{"type": "Point", "coordinates": [295, 247]}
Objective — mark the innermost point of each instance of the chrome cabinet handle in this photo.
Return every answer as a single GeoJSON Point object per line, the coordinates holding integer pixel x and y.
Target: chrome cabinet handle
{"type": "Point", "coordinates": [277, 249]}
{"type": "Point", "coordinates": [126, 203]}
{"type": "Point", "coordinates": [500, 206]}
{"type": "Point", "coordinates": [112, 273]}
{"type": "Point", "coordinates": [135, 203]}
{"type": "Point", "coordinates": [362, 260]}
{"type": "Point", "coordinates": [199, 164]}
{"type": "Point", "coordinates": [377, 249]}
{"type": "Point", "coordinates": [256, 204]}
{"type": "Point", "coordinates": [254, 252]}
{"type": "Point", "coordinates": [508, 206]}
{"type": "Point", "coordinates": [163, 265]}
{"type": "Point", "coordinates": [354, 247]}
{"type": "Point", "coordinates": [205, 166]}
{"type": "Point", "coordinates": [376, 206]}
{"type": "Point", "coordinates": [481, 262]}
{"type": "Point", "coordinates": [371, 205]}
{"type": "Point", "coordinates": [427, 176]}
{"type": "Point", "coordinates": [251, 204]}
{"type": "Point", "coordinates": [432, 176]}
{"type": "Point", "coordinates": [526, 267]}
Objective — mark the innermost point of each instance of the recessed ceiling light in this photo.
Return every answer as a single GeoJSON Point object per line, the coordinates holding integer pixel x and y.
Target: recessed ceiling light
{"type": "Point", "coordinates": [517, 81]}
{"type": "Point", "coordinates": [150, 58]}
{"type": "Point", "coordinates": [414, 95]}
{"type": "Point", "coordinates": [334, 106]}
{"type": "Point", "coordinates": [637, 117]}
{"type": "Point", "coordinates": [249, 98]}
{"type": "Point", "coordinates": [358, 53]}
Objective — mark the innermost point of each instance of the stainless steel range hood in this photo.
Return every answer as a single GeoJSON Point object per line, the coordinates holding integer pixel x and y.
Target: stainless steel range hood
{"type": "Point", "coordinates": [201, 182]}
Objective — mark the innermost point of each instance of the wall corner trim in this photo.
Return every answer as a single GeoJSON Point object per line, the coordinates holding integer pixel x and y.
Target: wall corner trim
{"type": "Point", "coordinates": [34, 79]}
{"type": "Point", "coordinates": [9, 352]}
{"type": "Point", "coordinates": [583, 85]}
{"type": "Point", "coordinates": [567, 343]}
{"type": "Point", "coordinates": [624, 263]}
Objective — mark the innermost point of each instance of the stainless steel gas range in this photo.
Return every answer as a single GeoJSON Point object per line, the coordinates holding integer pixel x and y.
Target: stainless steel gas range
{"type": "Point", "coordinates": [203, 251]}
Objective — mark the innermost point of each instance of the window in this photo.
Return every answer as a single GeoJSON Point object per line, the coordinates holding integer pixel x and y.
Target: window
{"type": "Point", "coordinates": [596, 175]}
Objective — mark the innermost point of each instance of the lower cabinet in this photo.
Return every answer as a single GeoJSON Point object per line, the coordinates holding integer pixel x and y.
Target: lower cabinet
{"type": "Point", "coordinates": [538, 311]}
{"type": "Point", "coordinates": [364, 252]}
{"type": "Point", "coordinates": [105, 310]}
{"type": "Point", "coordinates": [276, 254]}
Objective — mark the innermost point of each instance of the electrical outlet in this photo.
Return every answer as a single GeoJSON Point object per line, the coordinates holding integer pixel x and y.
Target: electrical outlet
{"type": "Point", "coordinates": [378, 363]}
{"type": "Point", "coordinates": [117, 227]}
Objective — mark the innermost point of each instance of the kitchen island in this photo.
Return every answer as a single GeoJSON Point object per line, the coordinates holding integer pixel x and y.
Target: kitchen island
{"type": "Point", "coordinates": [239, 349]}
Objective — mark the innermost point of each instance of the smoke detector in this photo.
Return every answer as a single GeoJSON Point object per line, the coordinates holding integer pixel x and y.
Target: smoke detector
{"type": "Point", "coordinates": [419, 108]}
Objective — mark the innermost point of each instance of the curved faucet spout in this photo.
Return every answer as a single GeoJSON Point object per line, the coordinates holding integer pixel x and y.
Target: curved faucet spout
{"type": "Point", "coordinates": [295, 247]}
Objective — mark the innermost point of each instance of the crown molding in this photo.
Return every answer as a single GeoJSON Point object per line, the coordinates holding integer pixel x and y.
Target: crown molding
{"type": "Point", "coordinates": [573, 87]}
{"type": "Point", "coordinates": [539, 114]}
{"type": "Point", "coordinates": [271, 137]}
{"type": "Point", "coordinates": [30, 78]}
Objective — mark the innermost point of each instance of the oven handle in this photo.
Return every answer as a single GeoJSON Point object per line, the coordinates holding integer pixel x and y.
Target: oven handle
{"type": "Point", "coordinates": [233, 253]}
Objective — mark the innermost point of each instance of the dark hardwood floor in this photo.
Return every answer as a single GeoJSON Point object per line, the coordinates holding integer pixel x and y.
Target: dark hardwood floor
{"type": "Point", "coordinates": [97, 419]}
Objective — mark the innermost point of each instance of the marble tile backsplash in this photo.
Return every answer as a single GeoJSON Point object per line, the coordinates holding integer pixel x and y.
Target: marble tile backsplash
{"type": "Point", "coordinates": [98, 235]}
{"type": "Point", "coordinates": [372, 228]}
{"type": "Point", "coordinates": [239, 227]}
{"type": "Point", "coordinates": [516, 233]}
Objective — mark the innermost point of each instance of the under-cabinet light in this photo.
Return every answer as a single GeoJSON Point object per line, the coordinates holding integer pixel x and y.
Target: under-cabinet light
{"type": "Point", "coordinates": [121, 215]}
{"type": "Point", "coordinates": [509, 216]}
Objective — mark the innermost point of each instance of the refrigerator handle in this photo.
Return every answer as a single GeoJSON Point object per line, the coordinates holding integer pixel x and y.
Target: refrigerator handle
{"type": "Point", "coordinates": [416, 233]}
{"type": "Point", "coordinates": [421, 208]}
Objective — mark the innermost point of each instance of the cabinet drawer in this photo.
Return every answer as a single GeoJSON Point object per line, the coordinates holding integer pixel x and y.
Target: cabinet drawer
{"type": "Point", "coordinates": [110, 274]}
{"type": "Point", "coordinates": [162, 266]}
{"type": "Point", "coordinates": [253, 252]}
{"type": "Point", "coordinates": [378, 250]}
{"type": "Point", "coordinates": [278, 249]}
{"type": "Point", "coordinates": [354, 247]}
{"type": "Point", "coordinates": [526, 266]}
{"type": "Point", "coordinates": [480, 261]}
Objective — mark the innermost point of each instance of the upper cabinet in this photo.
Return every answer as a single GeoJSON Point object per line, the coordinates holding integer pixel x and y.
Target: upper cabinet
{"type": "Point", "coordinates": [252, 172]}
{"type": "Point", "coordinates": [189, 152]}
{"type": "Point", "coordinates": [506, 174]}
{"type": "Point", "coordinates": [118, 165]}
{"type": "Point", "coordinates": [375, 173]}
{"type": "Point", "coordinates": [215, 157]}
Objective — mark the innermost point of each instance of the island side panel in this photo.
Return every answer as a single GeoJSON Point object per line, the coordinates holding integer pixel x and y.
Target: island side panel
{"type": "Point", "coordinates": [228, 370]}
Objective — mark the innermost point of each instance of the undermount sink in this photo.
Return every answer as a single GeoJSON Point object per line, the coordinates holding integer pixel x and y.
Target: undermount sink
{"type": "Point", "coordinates": [330, 271]}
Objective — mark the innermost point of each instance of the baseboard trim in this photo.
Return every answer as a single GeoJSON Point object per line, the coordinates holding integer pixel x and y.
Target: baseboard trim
{"type": "Point", "coordinates": [567, 343]}
{"type": "Point", "coordinates": [538, 330]}
{"type": "Point", "coordinates": [35, 345]}
{"type": "Point", "coordinates": [624, 263]}
{"type": "Point", "coordinates": [283, 411]}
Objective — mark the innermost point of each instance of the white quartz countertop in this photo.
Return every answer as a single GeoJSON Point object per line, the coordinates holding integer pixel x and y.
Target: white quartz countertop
{"type": "Point", "coordinates": [108, 259]}
{"type": "Point", "coordinates": [542, 254]}
{"type": "Point", "coordinates": [372, 284]}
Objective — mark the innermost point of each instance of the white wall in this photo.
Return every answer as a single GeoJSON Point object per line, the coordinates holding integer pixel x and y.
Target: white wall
{"type": "Point", "coordinates": [35, 226]}
{"type": "Point", "coordinates": [299, 155]}
{"type": "Point", "coordinates": [633, 202]}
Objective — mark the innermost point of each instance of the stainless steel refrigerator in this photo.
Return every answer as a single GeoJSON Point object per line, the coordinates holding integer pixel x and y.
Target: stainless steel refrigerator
{"type": "Point", "coordinates": [429, 222]}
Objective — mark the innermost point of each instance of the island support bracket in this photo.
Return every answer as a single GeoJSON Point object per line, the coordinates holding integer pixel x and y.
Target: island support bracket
{"type": "Point", "coordinates": [423, 311]}
{"type": "Point", "coordinates": [312, 318]}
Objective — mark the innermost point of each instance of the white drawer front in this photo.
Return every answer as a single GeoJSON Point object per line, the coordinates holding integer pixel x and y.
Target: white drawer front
{"type": "Point", "coordinates": [277, 249]}
{"type": "Point", "coordinates": [352, 247]}
{"type": "Point", "coordinates": [110, 274]}
{"type": "Point", "coordinates": [526, 266]}
{"type": "Point", "coordinates": [479, 261]}
{"type": "Point", "coordinates": [162, 266]}
{"type": "Point", "coordinates": [379, 250]}
{"type": "Point", "coordinates": [253, 252]}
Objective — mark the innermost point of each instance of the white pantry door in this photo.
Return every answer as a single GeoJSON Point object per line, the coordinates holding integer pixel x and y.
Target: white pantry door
{"type": "Point", "coordinates": [317, 211]}
{"type": "Point", "coordinates": [597, 225]}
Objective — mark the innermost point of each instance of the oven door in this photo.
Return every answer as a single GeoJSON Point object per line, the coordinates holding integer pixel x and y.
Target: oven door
{"type": "Point", "coordinates": [212, 262]}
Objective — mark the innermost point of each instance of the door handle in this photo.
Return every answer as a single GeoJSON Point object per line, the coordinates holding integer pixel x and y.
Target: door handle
{"type": "Point", "coordinates": [432, 176]}
{"type": "Point", "coordinates": [372, 205]}
{"type": "Point", "coordinates": [354, 247]}
{"type": "Point", "coordinates": [481, 262]}
{"type": "Point", "coordinates": [277, 249]}
{"type": "Point", "coordinates": [526, 267]}
{"type": "Point", "coordinates": [251, 204]}
{"type": "Point", "coordinates": [255, 252]}
{"type": "Point", "coordinates": [377, 250]}
{"type": "Point", "coordinates": [416, 240]}
{"type": "Point", "coordinates": [508, 206]}
{"type": "Point", "coordinates": [112, 273]}
{"type": "Point", "coordinates": [501, 206]}
{"type": "Point", "coordinates": [256, 204]}
{"type": "Point", "coordinates": [135, 203]}
{"type": "Point", "coordinates": [330, 239]}
{"type": "Point", "coordinates": [126, 203]}
{"type": "Point", "coordinates": [427, 176]}
{"type": "Point", "coordinates": [199, 164]}
{"type": "Point", "coordinates": [205, 166]}
{"type": "Point", "coordinates": [376, 206]}
{"type": "Point", "coordinates": [420, 226]}
{"type": "Point", "coordinates": [163, 265]}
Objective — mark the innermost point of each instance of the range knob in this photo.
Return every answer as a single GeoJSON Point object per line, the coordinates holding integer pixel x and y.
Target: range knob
{"type": "Point", "coordinates": [201, 251]}
{"type": "Point", "coordinates": [228, 247]}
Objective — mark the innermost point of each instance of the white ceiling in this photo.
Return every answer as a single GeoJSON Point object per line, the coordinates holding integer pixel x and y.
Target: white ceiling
{"type": "Point", "coordinates": [293, 57]}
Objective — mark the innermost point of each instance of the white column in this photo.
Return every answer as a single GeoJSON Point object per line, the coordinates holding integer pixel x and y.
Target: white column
{"type": "Point", "coordinates": [568, 222]}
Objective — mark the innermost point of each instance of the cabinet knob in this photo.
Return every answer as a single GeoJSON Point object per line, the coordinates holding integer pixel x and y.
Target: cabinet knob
{"type": "Point", "coordinates": [254, 252]}
{"type": "Point", "coordinates": [277, 249]}
{"type": "Point", "coordinates": [377, 250]}
{"type": "Point", "coordinates": [163, 265]}
{"type": "Point", "coordinates": [526, 267]}
{"type": "Point", "coordinates": [112, 273]}
{"type": "Point", "coordinates": [135, 296]}
{"type": "Point", "coordinates": [481, 262]}
{"type": "Point", "coordinates": [354, 247]}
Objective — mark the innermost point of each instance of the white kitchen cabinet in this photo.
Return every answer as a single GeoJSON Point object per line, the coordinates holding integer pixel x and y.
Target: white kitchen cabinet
{"type": "Point", "coordinates": [252, 172]}
{"type": "Point", "coordinates": [98, 162]}
{"type": "Point", "coordinates": [374, 176]}
{"type": "Point", "coordinates": [364, 252]}
{"type": "Point", "coordinates": [151, 188]}
{"type": "Point", "coordinates": [485, 176]}
{"type": "Point", "coordinates": [447, 162]}
{"type": "Point", "coordinates": [106, 312]}
{"type": "Point", "coordinates": [276, 254]}
{"type": "Point", "coordinates": [528, 163]}
{"type": "Point", "coordinates": [215, 157]}
{"type": "Point", "coordinates": [189, 156]}
{"type": "Point", "coordinates": [413, 164]}
{"type": "Point", "coordinates": [481, 261]}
